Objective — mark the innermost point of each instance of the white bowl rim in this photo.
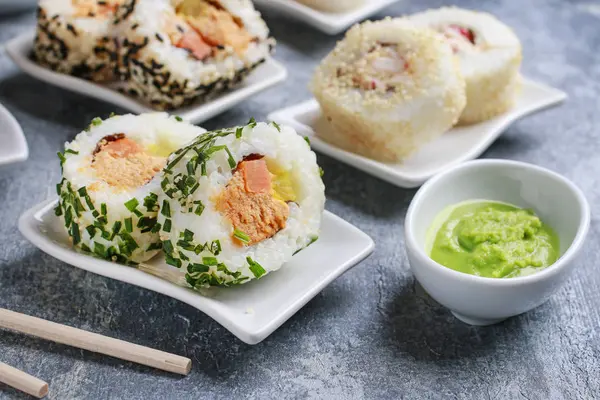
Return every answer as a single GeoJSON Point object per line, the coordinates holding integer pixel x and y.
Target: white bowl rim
{"type": "Point", "coordinates": [549, 272]}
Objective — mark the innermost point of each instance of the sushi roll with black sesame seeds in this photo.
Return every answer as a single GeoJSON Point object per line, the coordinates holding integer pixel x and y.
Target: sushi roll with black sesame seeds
{"type": "Point", "coordinates": [238, 203]}
{"type": "Point", "coordinates": [387, 89]}
{"type": "Point", "coordinates": [108, 196]}
{"type": "Point", "coordinates": [489, 54]}
{"type": "Point", "coordinates": [173, 52]}
{"type": "Point", "coordinates": [74, 37]}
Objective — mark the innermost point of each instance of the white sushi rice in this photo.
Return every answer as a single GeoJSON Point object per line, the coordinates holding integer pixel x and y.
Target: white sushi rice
{"type": "Point", "coordinates": [199, 241]}
{"type": "Point", "coordinates": [490, 65]}
{"type": "Point", "coordinates": [167, 76]}
{"type": "Point", "coordinates": [74, 43]}
{"type": "Point", "coordinates": [421, 98]}
{"type": "Point", "coordinates": [105, 219]}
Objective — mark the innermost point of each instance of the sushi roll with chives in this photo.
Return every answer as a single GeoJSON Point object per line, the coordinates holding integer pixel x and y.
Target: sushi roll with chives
{"type": "Point", "coordinates": [387, 89]}
{"type": "Point", "coordinates": [333, 6]}
{"type": "Point", "coordinates": [489, 54]}
{"type": "Point", "coordinates": [237, 203]}
{"type": "Point", "coordinates": [108, 195]}
{"type": "Point", "coordinates": [174, 52]}
{"type": "Point", "coordinates": [74, 37]}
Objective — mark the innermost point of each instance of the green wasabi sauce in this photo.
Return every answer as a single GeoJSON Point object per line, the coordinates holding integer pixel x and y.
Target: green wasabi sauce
{"type": "Point", "coordinates": [492, 239]}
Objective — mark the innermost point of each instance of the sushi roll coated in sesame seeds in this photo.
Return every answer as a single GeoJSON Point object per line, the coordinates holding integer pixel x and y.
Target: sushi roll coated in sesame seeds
{"type": "Point", "coordinates": [238, 203]}
{"type": "Point", "coordinates": [333, 6]}
{"type": "Point", "coordinates": [108, 196]}
{"type": "Point", "coordinates": [173, 52]}
{"type": "Point", "coordinates": [387, 89]}
{"type": "Point", "coordinates": [74, 37]}
{"type": "Point", "coordinates": [489, 54]}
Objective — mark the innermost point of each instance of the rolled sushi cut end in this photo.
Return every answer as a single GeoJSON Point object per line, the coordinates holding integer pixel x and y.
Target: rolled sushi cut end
{"type": "Point", "coordinates": [238, 203]}
{"type": "Point", "coordinates": [174, 52]}
{"type": "Point", "coordinates": [387, 89]}
{"type": "Point", "coordinates": [490, 57]}
{"type": "Point", "coordinates": [108, 195]}
{"type": "Point", "coordinates": [333, 6]}
{"type": "Point", "coordinates": [74, 37]}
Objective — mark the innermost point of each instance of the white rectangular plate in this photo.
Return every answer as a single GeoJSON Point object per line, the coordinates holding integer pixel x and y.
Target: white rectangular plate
{"type": "Point", "coordinates": [460, 144]}
{"type": "Point", "coordinates": [330, 23]}
{"type": "Point", "coordinates": [13, 147]}
{"type": "Point", "coordinates": [251, 311]}
{"type": "Point", "coordinates": [266, 75]}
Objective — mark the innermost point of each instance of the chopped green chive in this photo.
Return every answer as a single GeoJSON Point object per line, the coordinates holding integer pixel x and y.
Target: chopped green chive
{"type": "Point", "coordinates": [209, 261]}
{"type": "Point", "coordinates": [168, 246]}
{"type": "Point", "coordinates": [116, 228]}
{"type": "Point", "coordinates": [58, 210]}
{"type": "Point", "coordinates": [75, 233]}
{"type": "Point", "coordinates": [166, 209]}
{"type": "Point", "coordinates": [241, 236]}
{"type": "Point", "coordinates": [155, 246]}
{"type": "Point", "coordinates": [61, 157]}
{"type": "Point", "coordinates": [238, 132]}
{"type": "Point", "coordinates": [129, 224]}
{"type": "Point", "coordinates": [187, 235]}
{"type": "Point", "coordinates": [103, 208]}
{"type": "Point", "coordinates": [132, 204]}
{"type": "Point", "coordinates": [91, 230]}
{"type": "Point", "coordinates": [178, 118]}
{"type": "Point", "coordinates": [96, 121]}
{"type": "Point", "coordinates": [307, 139]}
{"type": "Point", "coordinates": [256, 268]}
{"type": "Point", "coordinates": [276, 125]}
{"type": "Point", "coordinates": [69, 151]}
{"type": "Point", "coordinates": [321, 172]}
{"type": "Point", "coordinates": [173, 261]}
{"type": "Point", "coordinates": [198, 268]}
{"type": "Point", "coordinates": [167, 225]}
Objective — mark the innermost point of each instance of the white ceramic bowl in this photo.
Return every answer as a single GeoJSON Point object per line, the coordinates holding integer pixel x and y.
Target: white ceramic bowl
{"type": "Point", "coordinates": [484, 301]}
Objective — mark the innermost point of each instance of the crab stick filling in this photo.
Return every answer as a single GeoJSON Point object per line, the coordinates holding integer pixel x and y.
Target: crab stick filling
{"type": "Point", "coordinates": [255, 200]}
{"type": "Point", "coordinates": [95, 8]}
{"type": "Point", "coordinates": [382, 68]}
{"type": "Point", "coordinates": [204, 28]}
{"type": "Point", "coordinates": [123, 163]}
{"type": "Point", "coordinates": [459, 37]}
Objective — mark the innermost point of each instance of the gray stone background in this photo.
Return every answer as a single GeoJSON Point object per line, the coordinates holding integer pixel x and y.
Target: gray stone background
{"type": "Point", "coordinates": [372, 333]}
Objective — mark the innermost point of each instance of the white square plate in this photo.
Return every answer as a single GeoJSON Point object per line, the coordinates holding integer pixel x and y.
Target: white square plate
{"type": "Point", "coordinates": [457, 145]}
{"type": "Point", "coordinates": [251, 311]}
{"type": "Point", "coordinates": [264, 76]}
{"type": "Point", "coordinates": [14, 146]}
{"type": "Point", "coordinates": [330, 23]}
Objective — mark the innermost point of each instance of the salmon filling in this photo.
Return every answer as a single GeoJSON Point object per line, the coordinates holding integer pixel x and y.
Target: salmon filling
{"type": "Point", "coordinates": [204, 27]}
{"type": "Point", "coordinates": [254, 201]}
{"type": "Point", "coordinates": [124, 163]}
{"type": "Point", "coordinates": [381, 68]}
{"type": "Point", "coordinates": [93, 8]}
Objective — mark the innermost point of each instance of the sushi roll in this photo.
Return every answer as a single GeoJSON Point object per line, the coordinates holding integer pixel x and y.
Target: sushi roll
{"type": "Point", "coordinates": [333, 6]}
{"type": "Point", "coordinates": [173, 52]}
{"type": "Point", "coordinates": [74, 37]}
{"type": "Point", "coordinates": [108, 195]}
{"type": "Point", "coordinates": [489, 54]}
{"type": "Point", "coordinates": [388, 88]}
{"type": "Point", "coordinates": [237, 204]}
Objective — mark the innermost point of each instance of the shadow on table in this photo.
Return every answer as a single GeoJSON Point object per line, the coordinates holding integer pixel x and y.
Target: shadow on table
{"type": "Point", "coordinates": [44, 287]}
{"type": "Point", "coordinates": [417, 325]}
{"type": "Point", "coordinates": [51, 103]}
{"type": "Point", "coordinates": [361, 191]}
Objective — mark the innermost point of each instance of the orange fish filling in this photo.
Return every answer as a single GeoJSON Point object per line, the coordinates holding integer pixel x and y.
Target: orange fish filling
{"type": "Point", "coordinates": [123, 163]}
{"type": "Point", "coordinates": [248, 202]}
{"type": "Point", "coordinates": [205, 26]}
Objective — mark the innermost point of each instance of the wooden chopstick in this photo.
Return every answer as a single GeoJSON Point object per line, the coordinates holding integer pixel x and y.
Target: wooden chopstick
{"type": "Point", "coordinates": [23, 381]}
{"type": "Point", "coordinates": [94, 342]}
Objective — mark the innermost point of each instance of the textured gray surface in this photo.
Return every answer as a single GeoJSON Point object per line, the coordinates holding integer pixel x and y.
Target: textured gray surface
{"type": "Point", "coordinates": [372, 333]}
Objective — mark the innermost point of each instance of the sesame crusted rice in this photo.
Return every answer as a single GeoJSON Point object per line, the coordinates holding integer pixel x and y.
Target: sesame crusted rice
{"type": "Point", "coordinates": [387, 89]}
